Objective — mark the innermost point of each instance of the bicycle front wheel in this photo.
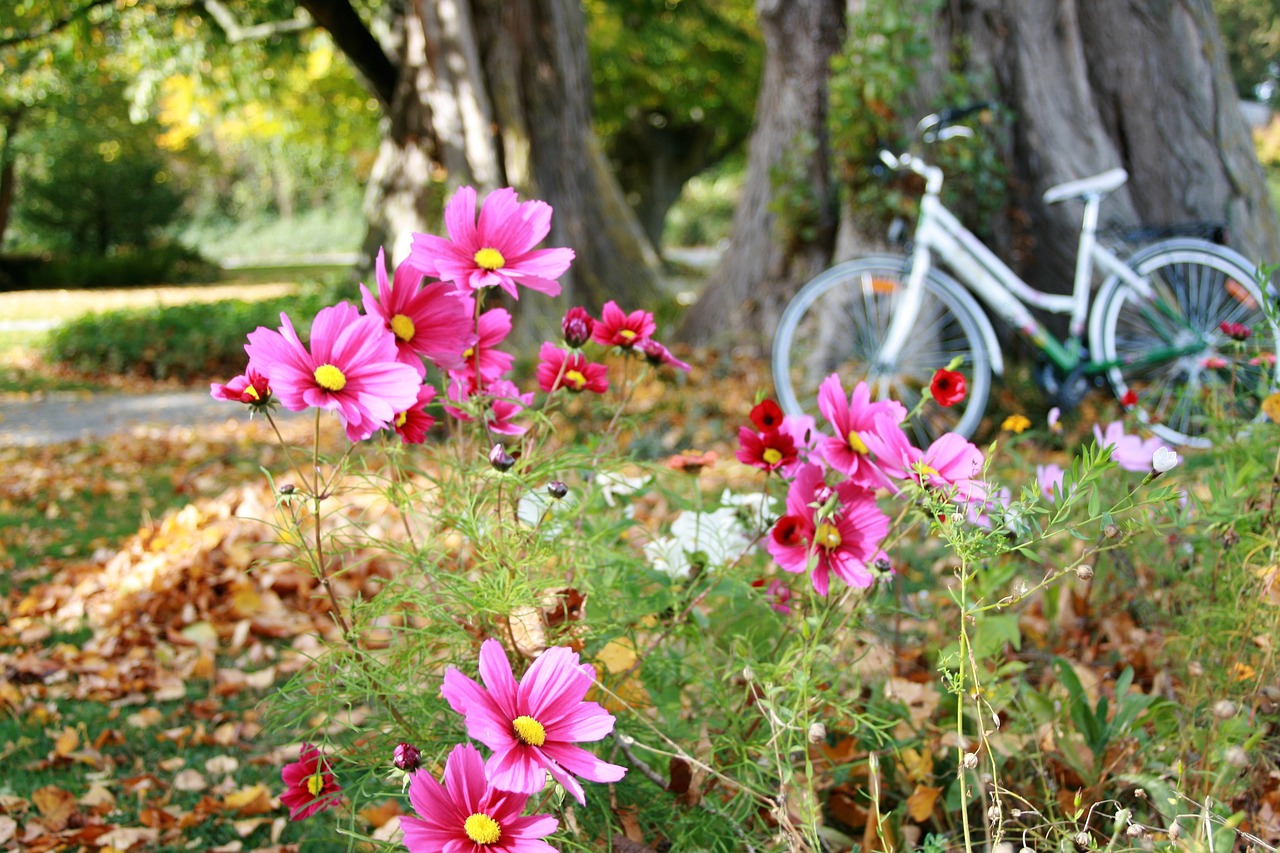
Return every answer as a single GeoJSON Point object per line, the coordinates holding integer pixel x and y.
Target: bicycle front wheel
{"type": "Point", "coordinates": [1175, 351]}
{"type": "Point", "coordinates": [838, 321]}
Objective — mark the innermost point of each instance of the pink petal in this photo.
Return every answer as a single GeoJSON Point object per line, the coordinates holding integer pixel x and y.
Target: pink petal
{"type": "Point", "coordinates": [460, 218]}
{"type": "Point", "coordinates": [520, 769]}
{"type": "Point", "coordinates": [495, 672]}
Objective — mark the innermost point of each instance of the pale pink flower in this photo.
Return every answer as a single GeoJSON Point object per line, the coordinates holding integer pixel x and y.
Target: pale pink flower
{"type": "Point", "coordinates": [1128, 451]}
{"type": "Point", "coordinates": [426, 320]}
{"type": "Point", "coordinates": [534, 726]}
{"type": "Point", "coordinates": [351, 368]}
{"type": "Point", "coordinates": [501, 401]}
{"type": "Point", "coordinates": [497, 250]}
{"type": "Point", "coordinates": [857, 423]}
{"type": "Point", "coordinates": [844, 541]}
{"type": "Point", "coordinates": [465, 814]}
{"type": "Point", "coordinates": [1049, 477]}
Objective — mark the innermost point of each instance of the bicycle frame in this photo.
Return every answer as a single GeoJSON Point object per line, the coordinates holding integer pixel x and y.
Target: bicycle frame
{"type": "Point", "coordinates": [940, 233]}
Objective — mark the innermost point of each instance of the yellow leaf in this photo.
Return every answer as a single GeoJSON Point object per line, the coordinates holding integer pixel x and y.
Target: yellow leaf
{"type": "Point", "coordinates": [67, 742]}
{"type": "Point", "coordinates": [255, 799]}
{"type": "Point", "coordinates": [920, 803]}
{"type": "Point", "coordinates": [1271, 406]}
{"type": "Point", "coordinates": [618, 655]}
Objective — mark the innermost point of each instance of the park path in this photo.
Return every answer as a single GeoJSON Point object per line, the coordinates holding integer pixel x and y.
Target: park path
{"type": "Point", "coordinates": [56, 417]}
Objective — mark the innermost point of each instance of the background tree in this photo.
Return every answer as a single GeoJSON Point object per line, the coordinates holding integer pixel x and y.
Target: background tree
{"type": "Point", "coordinates": [1251, 34]}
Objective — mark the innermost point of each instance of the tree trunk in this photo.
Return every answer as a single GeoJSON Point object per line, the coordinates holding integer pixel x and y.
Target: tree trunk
{"type": "Point", "coordinates": [499, 93]}
{"type": "Point", "coordinates": [1095, 84]}
{"type": "Point", "coordinates": [785, 224]}
{"type": "Point", "coordinates": [8, 170]}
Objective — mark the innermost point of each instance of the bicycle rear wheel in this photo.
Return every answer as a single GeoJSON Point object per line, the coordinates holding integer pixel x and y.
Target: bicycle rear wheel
{"type": "Point", "coordinates": [1171, 350]}
{"type": "Point", "coordinates": [838, 321]}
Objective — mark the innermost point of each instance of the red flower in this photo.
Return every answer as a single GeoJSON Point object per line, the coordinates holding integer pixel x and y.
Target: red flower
{"type": "Point", "coordinates": [766, 415]}
{"type": "Point", "coordinates": [1235, 331]}
{"type": "Point", "coordinates": [619, 329]}
{"type": "Point", "coordinates": [311, 786]}
{"type": "Point", "coordinates": [412, 424]}
{"type": "Point", "coordinates": [768, 451]}
{"type": "Point", "coordinates": [947, 387]}
{"type": "Point", "coordinates": [560, 369]}
{"type": "Point", "coordinates": [1129, 399]}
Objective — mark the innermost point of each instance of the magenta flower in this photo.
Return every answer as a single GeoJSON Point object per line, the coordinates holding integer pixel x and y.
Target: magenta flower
{"type": "Point", "coordinates": [426, 320]}
{"type": "Point", "coordinates": [844, 540]}
{"type": "Point", "coordinates": [496, 251]}
{"type": "Point", "coordinates": [352, 368]}
{"type": "Point", "coordinates": [616, 328]}
{"type": "Point", "coordinates": [576, 326]}
{"type": "Point", "coordinates": [768, 451]}
{"type": "Point", "coordinates": [412, 424]}
{"type": "Point", "coordinates": [1128, 451]}
{"type": "Point", "coordinates": [250, 388]}
{"type": "Point", "coordinates": [492, 328]}
{"type": "Point", "coordinates": [571, 370]}
{"type": "Point", "coordinates": [310, 784]}
{"type": "Point", "coordinates": [659, 356]}
{"type": "Point", "coordinates": [950, 463]}
{"type": "Point", "coordinates": [533, 726]}
{"type": "Point", "coordinates": [465, 814]}
{"type": "Point", "coordinates": [857, 423]}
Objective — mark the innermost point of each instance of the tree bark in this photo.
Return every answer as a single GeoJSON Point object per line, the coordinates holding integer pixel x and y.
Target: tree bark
{"type": "Point", "coordinates": [788, 172]}
{"type": "Point", "coordinates": [8, 170]}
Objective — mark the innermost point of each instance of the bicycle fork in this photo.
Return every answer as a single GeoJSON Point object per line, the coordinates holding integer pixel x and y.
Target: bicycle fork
{"type": "Point", "coordinates": [906, 311]}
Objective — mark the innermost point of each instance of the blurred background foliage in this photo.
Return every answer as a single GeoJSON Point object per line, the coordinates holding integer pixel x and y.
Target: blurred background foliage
{"type": "Point", "coordinates": [138, 137]}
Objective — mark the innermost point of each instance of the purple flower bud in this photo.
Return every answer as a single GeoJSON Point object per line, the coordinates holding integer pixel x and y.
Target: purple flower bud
{"type": "Point", "coordinates": [407, 757]}
{"type": "Point", "coordinates": [557, 489]}
{"type": "Point", "coordinates": [500, 459]}
{"type": "Point", "coordinates": [577, 326]}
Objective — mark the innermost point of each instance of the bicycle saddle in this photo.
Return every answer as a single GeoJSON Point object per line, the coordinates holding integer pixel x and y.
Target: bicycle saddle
{"type": "Point", "coordinates": [1097, 186]}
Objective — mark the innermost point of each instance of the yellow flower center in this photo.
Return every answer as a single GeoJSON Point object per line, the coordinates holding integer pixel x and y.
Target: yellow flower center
{"type": "Point", "coordinates": [252, 392]}
{"type": "Point", "coordinates": [401, 418]}
{"type": "Point", "coordinates": [315, 784]}
{"type": "Point", "coordinates": [470, 352]}
{"type": "Point", "coordinates": [575, 378]}
{"type": "Point", "coordinates": [826, 536]}
{"type": "Point", "coordinates": [857, 445]}
{"type": "Point", "coordinates": [490, 259]}
{"type": "Point", "coordinates": [330, 378]}
{"type": "Point", "coordinates": [529, 730]}
{"type": "Point", "coordinates": [772, 455]}
{"type": "Point", "coordinates": [403, 327]}
{"type": "Point", "coordinates": [627, 335]}
{"type": "Point", "coordinates": [482, 829]}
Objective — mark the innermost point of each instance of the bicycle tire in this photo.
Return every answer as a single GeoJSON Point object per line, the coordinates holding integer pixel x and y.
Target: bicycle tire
{"type": "Point", "coordinates": [836, 323]}
{"type": "Point", "coordinates": [1197, 286]}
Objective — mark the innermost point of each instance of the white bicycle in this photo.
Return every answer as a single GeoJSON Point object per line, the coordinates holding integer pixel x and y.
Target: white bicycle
{"type": "Point", "coordinates": [1157, 327]}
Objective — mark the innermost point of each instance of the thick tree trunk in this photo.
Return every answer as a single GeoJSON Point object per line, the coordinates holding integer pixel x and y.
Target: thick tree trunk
{"type": "Point", "coordinates": [493, 94]}
{"type": "Point", "coordinates": [1095, 84]}
{"type": "Point", "coordinates": [8, 170]}
{"type": "Point", "coordinates": [786, 221]}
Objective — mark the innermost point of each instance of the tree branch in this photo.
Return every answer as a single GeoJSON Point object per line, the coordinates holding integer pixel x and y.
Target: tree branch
{"type": "Point", "coordinates": [54, 26]}
{"type": "Point", "coordinates": [355, 40]}
{"type": "Point", "coordinates": [255, 32]}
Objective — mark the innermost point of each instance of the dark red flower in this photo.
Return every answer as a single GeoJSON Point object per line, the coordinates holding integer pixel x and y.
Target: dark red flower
{"type": "Point", "coordinates": [766, 415]}
{"type": "Point", "coordinates": [1129, 399]}
{"type": "Point", "coordinates": [767, 451]}
{"type": "Point", "coordinates": [1235, 331]}
{"type": "Point", "coordinates": [311, 786]}
{"type": "Point", "coordinates": [407, 757]}
{"type": "Point", "coordinates": [947, 387]}
{"type": "Point", "coordinates": [789, 531]}
{"type": "Point", "coordinates": [412, 425]}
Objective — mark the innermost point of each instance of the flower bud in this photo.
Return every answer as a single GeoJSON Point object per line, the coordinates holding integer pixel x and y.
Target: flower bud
{"type": "Point", "coordinates": [1175, 829]}
{"type": "Point", "coordinates": [1224, 709]}
{"type": "Point", "coordinates": [1083, 839]}
{"type": "Point", "coordinates": [1084, 572]}
{"type": "Point", "coordinates": [557, 489]}
{"type": "Point", "coordinates": [407, 757]}
{"type": "Point", "coordinates": [1163, 460]}
{"type": "Point", "coordinates": [1135, 830]}
{"type": "Point", "coordinates": [288, 489]}
{"type": "Point", "coordinates": [993, 814]}
{"type": "Point", "coordinates": [577, 326]}
{"type": "Point", "coordinates": [970, 760]}
{"type": "Point", "coordinates": [1111, 531]}
{"type": "Point", "coordinates": [817, 733]}
{"type": "Point", "coordinates": [1236, 756]}
{"type": "Point", "coordinates": [500, 459]}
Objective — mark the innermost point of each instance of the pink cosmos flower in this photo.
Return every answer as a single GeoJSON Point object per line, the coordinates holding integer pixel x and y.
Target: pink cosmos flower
{"type": "Point", "coordinates": [776, 593]}
{"type": "Point", "coordinates": [426, 321]}
{"type": "Point", "coordinates": [533, 726]}
{"type": "Point", "coordinates": [949, 463]}
{"type": "Point", "coordinates": [491, 329]}
{"type": "Point", "coordinates": [846, 541]}
{"type": "Point", "coordinates": [571, 370]}
{"type": "Point", "coordinates": [496, 251]}
{"type": "Point", "coordinates": [1129, 452]}
{"type": "Point", "coordinates": [857, 423]}
{"type": "Point", "coordinates": [616, 328]}
{"type": "Point", "coordinates": [310, 783]}
{"type": "Point", "coordinates": [768, 451]}
{"type": "Point", "coordinates": [659, 356]}
{"type": "Point", "coordinates": [412, 424]}
{"type": "Point", "coordinates": [250, 388]}
{"type": "Point", "coordinates": [501, 399]}
{"type": "Point", "coordinates": [978, 513]}
{"type": "Point", "coordinates": [352, 368]}
{"type": "Point", "coordinates": [465, 814]}
{"type": "Point", "coordinates": [1049, 477]}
